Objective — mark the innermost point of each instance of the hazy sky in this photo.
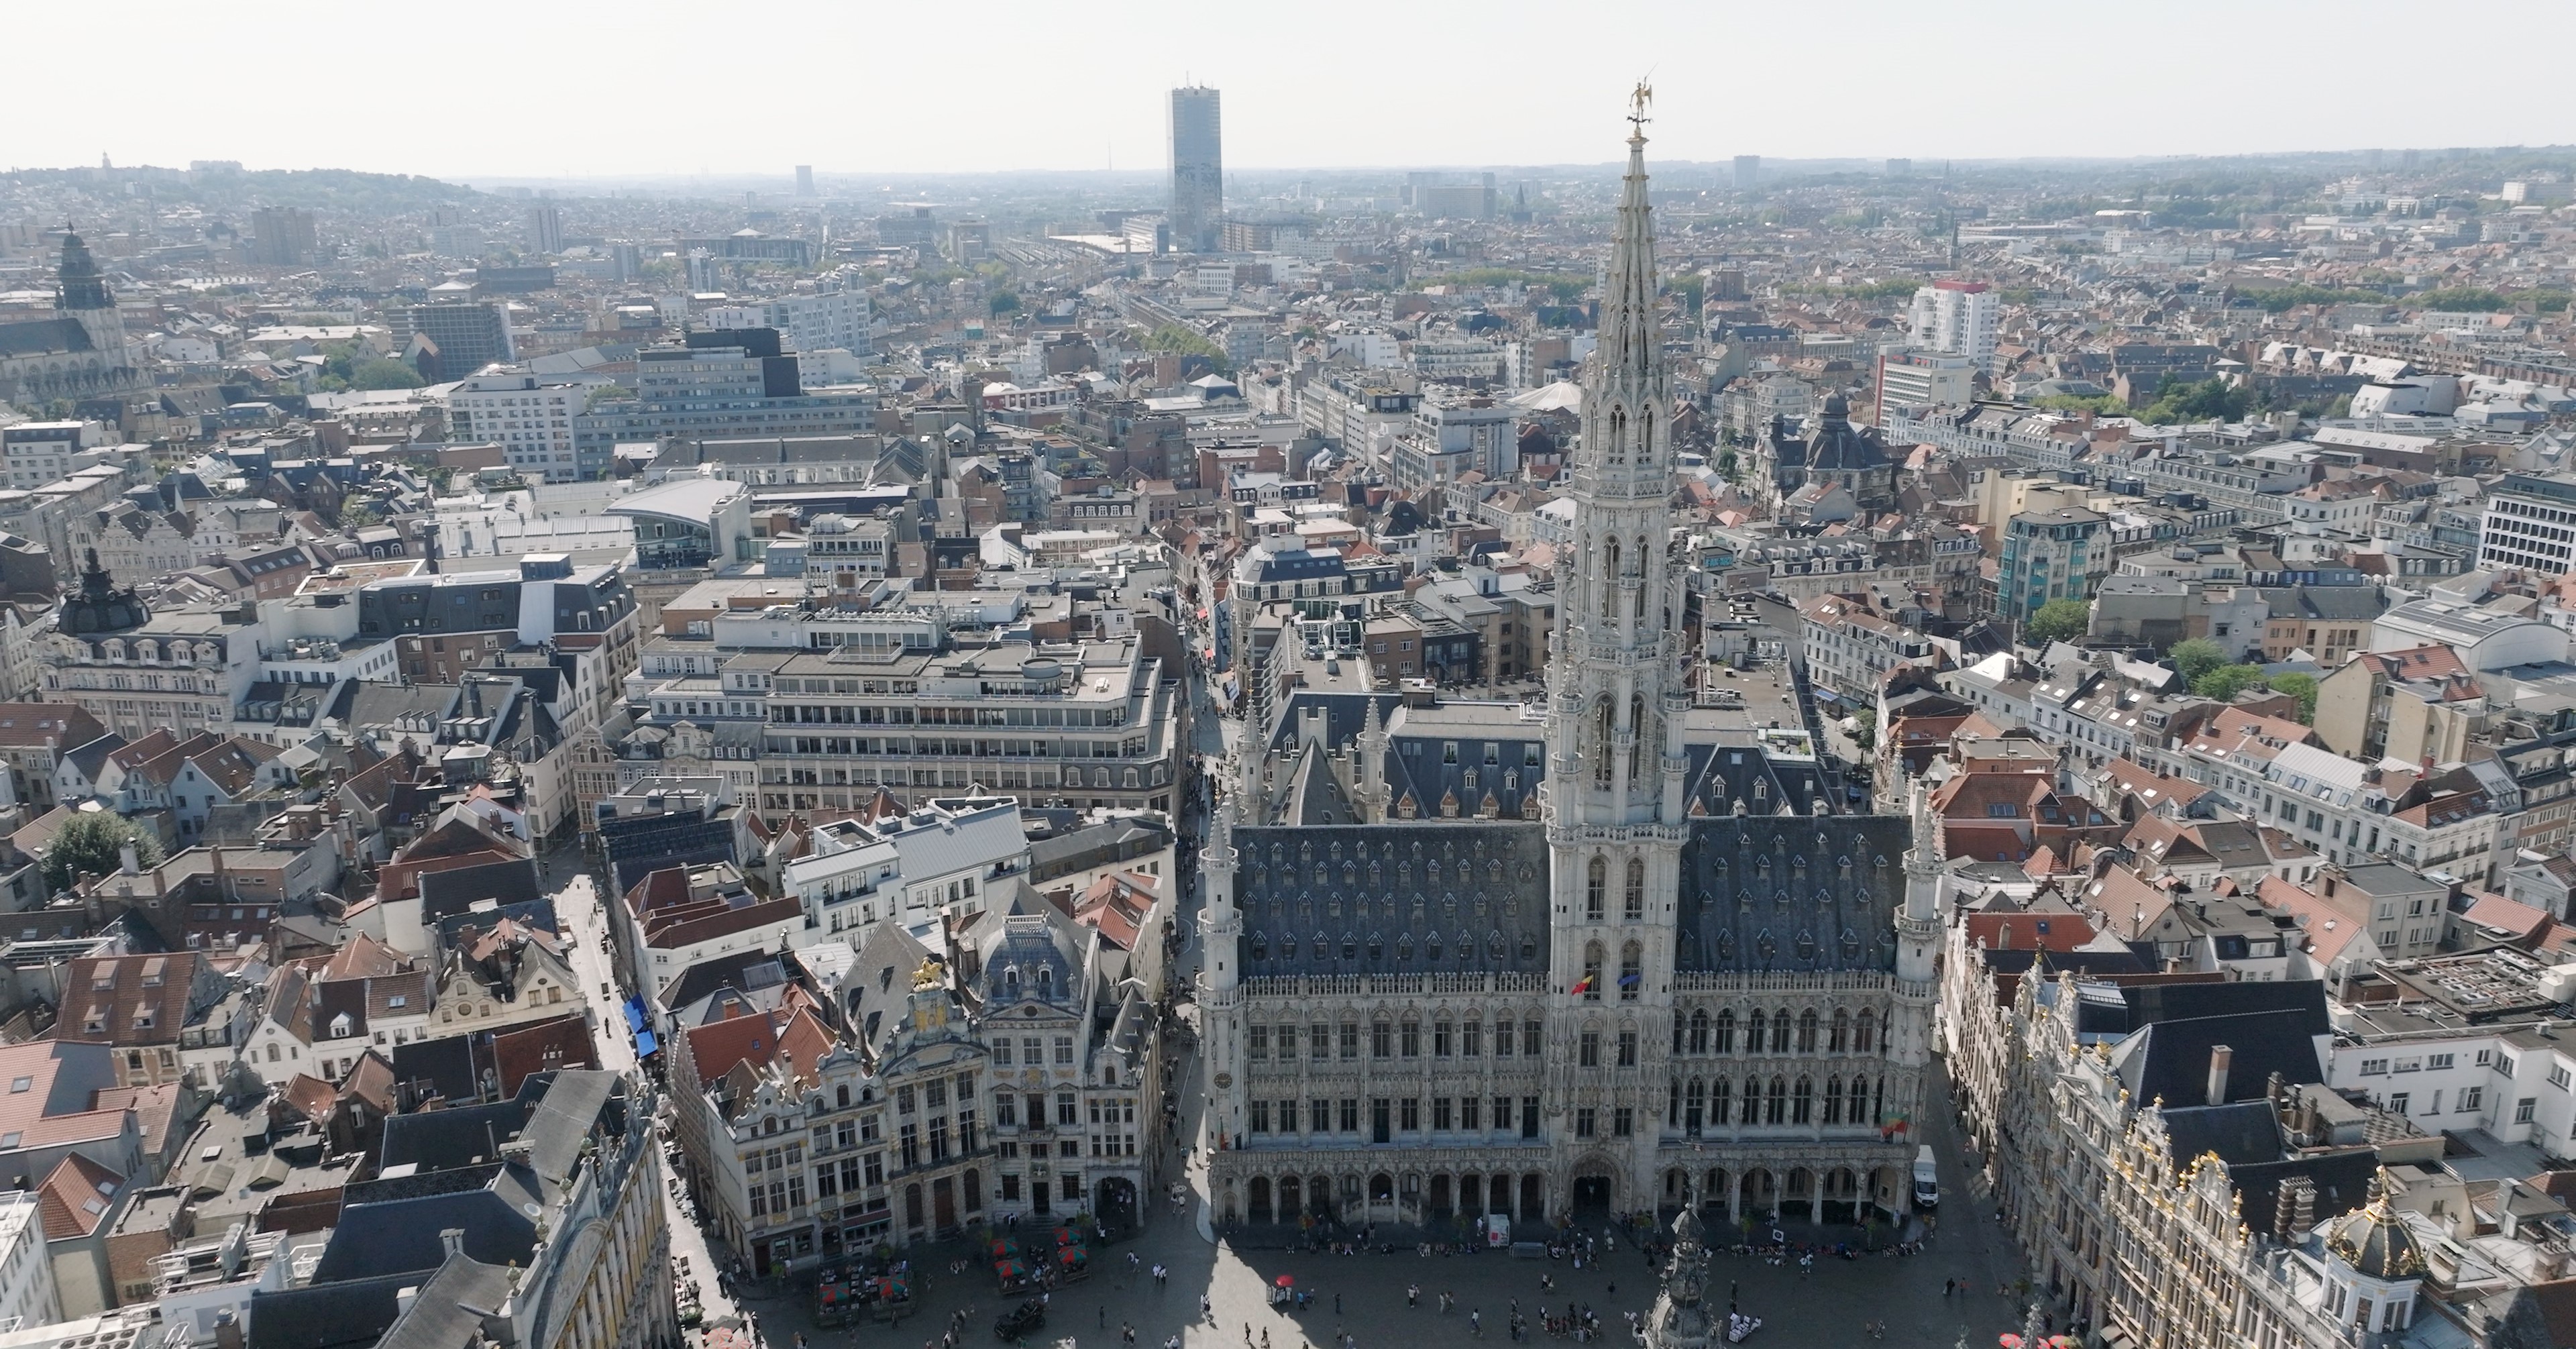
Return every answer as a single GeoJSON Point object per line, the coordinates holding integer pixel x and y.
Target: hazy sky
{"type": "Point", "coordinates": [470, 89]}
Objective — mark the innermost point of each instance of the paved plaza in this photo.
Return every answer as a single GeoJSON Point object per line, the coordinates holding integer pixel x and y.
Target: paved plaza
{"type": "Point", "coordinates": [1363, 1296]}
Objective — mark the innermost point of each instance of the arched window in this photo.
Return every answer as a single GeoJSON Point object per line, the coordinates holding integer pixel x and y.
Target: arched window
{"type": "Point", "coordinates": [1833, 1100]}
{"type": "Point", "coordinates": [1841, 1040]}
{"type": "Point", "coordinates": [1780, 1032]}
{"type": "Point", "coordinates": [1802, 1102]}
{"type": "Point", "coordinates": [1638, 729]}
{"type": "Point", "coordinates": [1699, 1031]}
{"type": "Point", "coordinates": [1602, 752]}
{"type": "Point", "coordinates": [1779, 1111]}
{"type": "Point", "coordinates": [1865, 1038]}
{"type": "Point", "coordinates": [1632, 971]}
{"type": "Point", "coordinates": [1618, 435]}
{"type": "Point", "coordinates": [1592, 971]}
{"type": "Point", "coordinates": [1610, 581]}
{"type": "Point", "coordinates": [1596, 884]}
{"type": "Point", "coordinates": [1807, 1031]}
{"type": "Point", "coordinates": [1633, 903]}
{"type": "Point", "coordinates": [1694, 1104]}
{"type": "Point", "coordinates": [1725, 1029]}
{"type": "Point", "coordinates": [1643, 585]}
{"type": "Point", "coordinates": [1859, 1111]}
{"type": "Point", "coordinates": [1721, 1102]}
{"type": "Point", "coordinates": [1753, 1032]}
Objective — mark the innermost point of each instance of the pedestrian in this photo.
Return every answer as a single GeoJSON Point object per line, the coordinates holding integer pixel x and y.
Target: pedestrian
{"type": "Point", "coordinates": [1247, 1332]}
{"type": "Point", "coordinates": [1476, 1322]}
{"type": "Point", "coordinates": [1265, 1337]}
{"type": "Point", "coordinates": [1413, 1295]}
{"type": "Point", "coordinates": [1949, 1286]}
{"type": "Point", "coordinates": [1104, 1314]}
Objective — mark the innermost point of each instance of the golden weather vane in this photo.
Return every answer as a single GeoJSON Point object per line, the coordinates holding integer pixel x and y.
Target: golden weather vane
{"type": "Point", "coordinates": [1640, 99]}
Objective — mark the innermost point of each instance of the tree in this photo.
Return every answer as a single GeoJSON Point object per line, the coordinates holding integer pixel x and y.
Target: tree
{"type": "Point", "coordinates": [1865, 729]}
{"type": "Point", "coordinates": [2195, 657]}
{"type": "Point", "coordinates": [384, 374]}
{"type": "Point", "coordinates": [2057, 621]}
{"type": "Point", "coordinates": [93, 843]}
{"type": "Point", "coordinates": [2302, 687]}
{"type": "Point", "coordinates": [2224, 683]}
{"type": "Point", "coordinates": [1002, 303]}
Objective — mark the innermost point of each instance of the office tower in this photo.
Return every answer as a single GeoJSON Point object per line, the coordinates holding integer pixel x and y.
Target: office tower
{"type": "Point", "coordinates": [545, 229]}
{"type": "Point", "coordinates": [625, 261]}
{"type": "Point", "coordinates": [1748, 172]}
{"type": "Point", "coordinates": [1198, 169]}
{"type": "Point", "coordinates": [468, 336]}
{"type": "Point", "coordinates": [1957, 317]}
{"type": "Point", "coordinates": [804, 180]}
{"type": "Point", "coordinates": [281, 236]}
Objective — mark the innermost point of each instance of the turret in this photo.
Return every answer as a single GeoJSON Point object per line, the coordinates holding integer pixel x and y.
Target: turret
{"type": "Point", "coordinates": [1372, 752]}
{"type": "Point", "coordinates": [1220, 973]}
{"type": "Point", "coordinates": [1918, 922]}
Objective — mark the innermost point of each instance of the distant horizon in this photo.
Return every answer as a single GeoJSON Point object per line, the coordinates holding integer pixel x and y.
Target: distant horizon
{"type": "Point", "coordinates": [905, 92]}
{"type": "Point", "coordinates": [1923, 168]}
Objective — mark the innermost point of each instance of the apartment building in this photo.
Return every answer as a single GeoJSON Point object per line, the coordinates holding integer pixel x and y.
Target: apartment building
{"type": "Point", "coordinates": [529, 417]}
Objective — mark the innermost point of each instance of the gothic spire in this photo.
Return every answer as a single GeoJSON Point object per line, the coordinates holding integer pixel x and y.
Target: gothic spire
{"type": "Point", "coordinates": [1630, 346]}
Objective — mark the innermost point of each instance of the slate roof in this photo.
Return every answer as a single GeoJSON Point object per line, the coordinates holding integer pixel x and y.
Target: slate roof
{"type": "Point", "coordinates": [2169, 1060]}
{"type": "Point", "coordinates": [402, 1235]}
{"type": "Point", "coordinates": [2242, 1132]}
{"type": "Point", "coordinates": [1806, 893]}
{"type": "Point", "coordinates": [1427, 897]}
{"type": "Point", "coordinates": [347, 1315]}
{"type": "Point", "coordinates": [450, 1310]}
{"type": "Point", "coordinates": [456, 890]}
{"type": "Point", "coordinates": [43, 337]}
{"type": "Point", "coordinates": [1757, 893]}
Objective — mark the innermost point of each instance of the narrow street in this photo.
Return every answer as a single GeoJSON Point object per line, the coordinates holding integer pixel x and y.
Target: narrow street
{"type": "Point", "coordinates": [578, 908]}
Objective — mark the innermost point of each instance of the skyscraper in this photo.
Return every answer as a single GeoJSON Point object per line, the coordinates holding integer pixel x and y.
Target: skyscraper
{"type": "Point", "coordinates": [1957, 317]}
{"type": "Point", "coordinates": [1748, 172]}
{"type": "Point", "coordinates": [545, 229]}
{"type": "Point", "coordinates": [804, 180]}
{"type": "Point", "coordinates": [1198, 169]}
{"type": "Point", "coordinates": [281, 236]}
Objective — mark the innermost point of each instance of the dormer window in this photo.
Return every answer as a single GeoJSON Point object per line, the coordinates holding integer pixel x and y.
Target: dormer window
{"type": "Point", "coordinates": [340, 1025]}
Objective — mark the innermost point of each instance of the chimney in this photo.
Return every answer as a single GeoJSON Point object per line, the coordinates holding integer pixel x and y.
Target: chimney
{"type": "Point", "coordinates": [402, 1301]}
{"type": "Point", "coordinates": [453, 1239]}
{"type": "Point", "coordinates": [2220, 1058]}
{"type": "Point", "coordinates": [127, 862]}
{"type": "Point", "coordinates": [2296, 1209]}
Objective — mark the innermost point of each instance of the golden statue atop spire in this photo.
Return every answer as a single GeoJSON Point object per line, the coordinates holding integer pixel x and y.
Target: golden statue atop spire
{"type": "Point", "coordinates": [1639, 99]}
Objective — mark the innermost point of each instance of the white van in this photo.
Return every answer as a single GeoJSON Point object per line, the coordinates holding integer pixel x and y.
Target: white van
{"type": "Point", "coordinates": [1927, 1179]}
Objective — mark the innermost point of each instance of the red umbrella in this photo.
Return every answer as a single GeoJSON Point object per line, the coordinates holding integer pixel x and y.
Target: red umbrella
{"type": "Point", "coordinates": [1284, 1281]}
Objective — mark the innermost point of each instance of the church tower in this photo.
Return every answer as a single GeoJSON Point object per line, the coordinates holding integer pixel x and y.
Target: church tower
{"type": "Point", "coordinates": [81, 295]}
{"type": "Point", "coordinates": [1615, 815]}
